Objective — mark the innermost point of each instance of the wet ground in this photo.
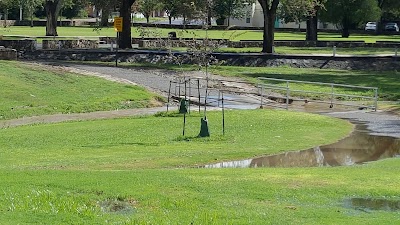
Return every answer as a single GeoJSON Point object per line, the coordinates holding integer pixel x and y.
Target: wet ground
{"type": "Point", "coordinates": [360, 147]}
{"type": "Point", "coordinates": [370, 204]}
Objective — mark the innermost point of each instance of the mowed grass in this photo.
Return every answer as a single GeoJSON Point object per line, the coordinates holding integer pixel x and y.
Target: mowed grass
{"type": "Point", "coordinates": [234, 35]}
{"type": "Point", "coordinates": [28, 90]}
{"type": "Point", "coordinates": [137, 171]}
{"type": "Point", "coordinates": [156, 142]}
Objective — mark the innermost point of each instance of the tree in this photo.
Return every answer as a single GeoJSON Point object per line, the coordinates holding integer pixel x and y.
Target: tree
{"type": "Point", "coordinates": [146, 7]}
{"type": "Point", "coordinates": [105, 6]}
{"type": "Point", "coordinates": [350, 13]}
{"type": "Point", "coordinates": [301, 10]}
{"type": "Point", "coordinates": [269, 8]}
{"type": "Point", "coordinates": [52, 8]}
{"type": "Point", "coordinates": [225, 9]}
{"type": "Point", "coordinates": [390, 10]}
{"type": "Point", "coordinates": [171, 8]}
{"type": "Point", "coordinates": [125, 38]}
{"type": "Point", "coordinates": [31, 6]}
{"type": "Point", "coordinates": [5, 5]}
{"type": "Point", "coordinates": [74, 8]}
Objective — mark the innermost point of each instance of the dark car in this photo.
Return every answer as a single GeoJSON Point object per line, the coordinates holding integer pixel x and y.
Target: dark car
{"type": "Point", "coordinates": [392, 27]}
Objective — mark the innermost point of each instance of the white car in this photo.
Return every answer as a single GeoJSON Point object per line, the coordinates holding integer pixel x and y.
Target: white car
{"type": "Point", "coordinates": [370, 26]}
{"type": "Point", "coordinates": [392, 27]}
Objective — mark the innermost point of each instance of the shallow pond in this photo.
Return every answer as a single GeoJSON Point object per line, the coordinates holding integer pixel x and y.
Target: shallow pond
{"type": "Point", "coordinates": [359, 147]}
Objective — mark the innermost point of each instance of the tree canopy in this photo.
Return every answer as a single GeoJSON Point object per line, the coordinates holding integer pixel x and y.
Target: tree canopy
{"type": "Point", "coordinates": [350, 13]}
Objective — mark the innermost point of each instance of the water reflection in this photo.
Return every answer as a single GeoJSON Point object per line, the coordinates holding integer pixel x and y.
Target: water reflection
{"type": "Point", "coordinates": [359, 147]}
{"type": "Point", "coordinates": [366, 204]}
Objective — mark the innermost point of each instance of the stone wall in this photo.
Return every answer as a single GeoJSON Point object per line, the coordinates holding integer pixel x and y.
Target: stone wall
{"type": "Point", "coordinates": [20, 45]}
{"type": "Point", "coordinates": [70, 44]}
{"type": "Point", "coordinates": [7, 53]}
{"type": "Point", "coordinates": [165, 43]}
{"type": "Point", "coordinates": [251, 60]}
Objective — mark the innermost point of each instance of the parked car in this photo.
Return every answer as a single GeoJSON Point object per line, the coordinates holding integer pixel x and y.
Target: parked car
{"type": "Point", "coordinates": [392, 27]}
{"type": "Point", "coordinates": [370, 26]}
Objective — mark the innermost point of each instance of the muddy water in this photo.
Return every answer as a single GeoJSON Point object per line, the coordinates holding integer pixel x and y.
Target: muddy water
{"type": "Point", "coordinates": [359, 147]}
{"type": "Point", "coordinates": [368, 204]}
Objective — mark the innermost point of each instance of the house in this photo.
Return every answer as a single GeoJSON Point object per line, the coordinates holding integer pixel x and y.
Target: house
{"type": "Point", "coordinates": [254, 18]}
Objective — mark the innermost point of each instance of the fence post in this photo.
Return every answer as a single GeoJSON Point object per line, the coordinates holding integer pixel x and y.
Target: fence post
{"type": "Point", "coordinates": [334, 51]}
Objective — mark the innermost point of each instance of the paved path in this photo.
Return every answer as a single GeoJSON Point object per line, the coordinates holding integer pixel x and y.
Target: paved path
{"type": "Point", "coordinates": [380, 123]}
{"type": "Point", "coordinates": [56, 118]}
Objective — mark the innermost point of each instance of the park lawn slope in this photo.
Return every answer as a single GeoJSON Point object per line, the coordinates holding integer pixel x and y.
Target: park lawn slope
{"type": "Point", "coordinates": [29, 89]}
{"type": "Point", "coordinates": [156, 141]}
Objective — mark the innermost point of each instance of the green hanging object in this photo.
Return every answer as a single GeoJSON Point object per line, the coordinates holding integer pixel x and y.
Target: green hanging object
{"type": "Point", "coordinates": [183, 108]}
{"type": "Point", "coordinates": [204, 128]}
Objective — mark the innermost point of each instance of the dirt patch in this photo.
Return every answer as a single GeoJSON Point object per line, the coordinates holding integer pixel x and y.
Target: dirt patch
{"type": "Point", "coordinates": [66, 69]}
{"type": "Point", "coordinates": [118, 205]}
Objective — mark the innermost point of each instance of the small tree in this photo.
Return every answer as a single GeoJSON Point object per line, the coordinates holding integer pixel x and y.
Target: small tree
{"type": "Point", "coordinates": [301, 10]}
{"type": "Point", "coordinates": [225, 9]}
{"type": "Point", "coordinates": [31, 6]}
{"type": "Point", "coordinates": [171, 7]}
{"type": "Point", "coordinates": [5, 5]}
{"type": "Point", "coordinates": [147, 7]}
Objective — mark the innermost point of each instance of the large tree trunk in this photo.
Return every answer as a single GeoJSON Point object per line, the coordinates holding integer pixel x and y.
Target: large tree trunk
{"type": "Point", "coordinates": [269, 11]}
{"type": "Point", "coordinates": [170, 20]}
{"type": "Point", "coordinates": [5, 17]}
{"type": "Point", "coordinates": [105, 12]}
{"type": "Point", "coordinates": [345, 28]}
{"type": "Point", "coordinates": [52, 10]}
{"type": "Point", "coordinates": [125, 37]}
{"type": "Point", "coordinates": [312, 28]}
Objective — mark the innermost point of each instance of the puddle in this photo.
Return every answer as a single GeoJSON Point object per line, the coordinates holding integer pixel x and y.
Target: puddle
{"type": "Point", "coordinates": [117, 206]}
{"type": "Point", "coordinates": [360, 147]}
{"type": "Point", "coordinates": [369, 204]}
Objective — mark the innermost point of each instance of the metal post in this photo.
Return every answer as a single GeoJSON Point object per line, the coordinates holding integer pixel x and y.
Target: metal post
{"type": "Point", "coordinates": [395, 52]}
{"type": "Point", "coordinates": [334, 51]}
{"type": "Point", "coordinates": [198, 89]}
{"type": "Point", "coordinates": [262, 96]}
{"type": "Point", "coordinates": [116, 50]}
{"type": "Point", "coordinates": [185, 92]}
{"type": "Point", "coordinates": [179, 89]}
{"type": "Point", "coordinates": [190, 94]}
{"type": "Point", "coordinates": [184, 124]}
{"type": "Point", "coordinates": [376, 99]}
{"type": "Point", "coordinates": [287, 95]}
{"type": "Point", "coordinates": [219, 93]}
{"type": "Point", "coordinates": [223, 114]}
{"type": "Point", "coordinates": [332, 94]}
{"type": "Point", "coordinates": [169, 94]}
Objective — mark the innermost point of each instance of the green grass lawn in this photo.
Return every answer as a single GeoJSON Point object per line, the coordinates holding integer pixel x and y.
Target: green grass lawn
{"type": "Point", "coordinates": [137, 171]}
{"type": "Point", "coordinates": [140, 170]}
{"type": "Point", "coordinates": [28, 90]}
{"type": "Point", "coordinates": [316, 50]}
{"type": "Point", "coordinates": [234, 35]}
